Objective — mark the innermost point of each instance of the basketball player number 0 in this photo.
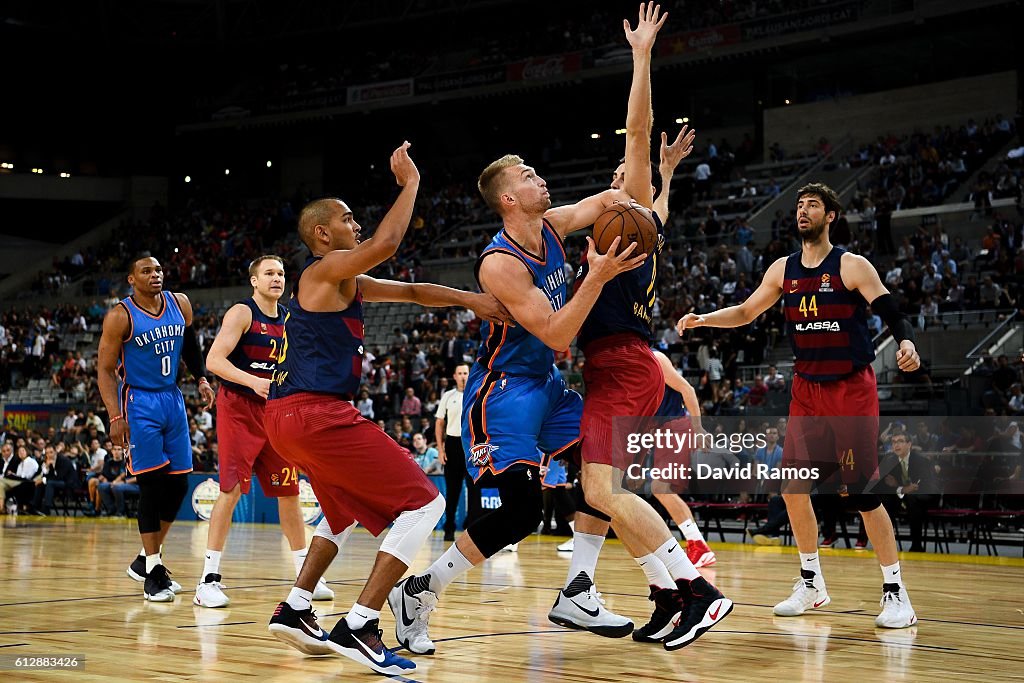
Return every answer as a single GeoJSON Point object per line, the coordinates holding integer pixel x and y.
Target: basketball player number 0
{"type": "Point", "coordinates": [165, 366]}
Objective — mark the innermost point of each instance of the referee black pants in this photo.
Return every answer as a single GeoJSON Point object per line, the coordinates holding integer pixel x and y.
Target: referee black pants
{"type": "Point", "coordinates": [454, 474]}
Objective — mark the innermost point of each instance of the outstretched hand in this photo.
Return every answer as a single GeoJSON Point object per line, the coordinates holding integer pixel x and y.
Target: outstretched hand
{"type": "Point", "coordinates": [403, 167]}
{"type": "Point", "coordinates": [670, 155]}
{"type": "Point", "coordinates": [650, 22]}
{"type": "Point", "coordinates": [688, 322]}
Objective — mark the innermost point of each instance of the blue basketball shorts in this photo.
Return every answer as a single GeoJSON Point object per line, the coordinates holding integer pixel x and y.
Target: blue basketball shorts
{"type": "Point", "coordinates": [159, 430]}
{"type": "Point", "coordinates": [514, 419]}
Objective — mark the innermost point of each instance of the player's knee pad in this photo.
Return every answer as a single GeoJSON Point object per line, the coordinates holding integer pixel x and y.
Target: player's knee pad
{"type": "Point", "coordinates": [583, 506]}
{"type": "Point", "coordinates": [510, 523]}
{"type": "Point", "coordinates": [172, 491]}
{"type": "Point", "coordinates": [863, 502]}
{"type": "Point", "coordinates": [411, 529]}
{"type": "Point", "coordinates": [149, 503]}
{"type": "Point", "coordinates": [323, 530]}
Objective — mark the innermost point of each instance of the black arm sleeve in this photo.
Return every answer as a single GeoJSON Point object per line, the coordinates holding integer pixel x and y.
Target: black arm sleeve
{"type": "Point", "coordinates": [885, 307]}
{"type": "Point", "coordinates": [193, 355]}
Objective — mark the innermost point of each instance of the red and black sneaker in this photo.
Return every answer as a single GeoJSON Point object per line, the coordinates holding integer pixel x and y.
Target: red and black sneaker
{"type": "Point", "coordinates": [668, 607]}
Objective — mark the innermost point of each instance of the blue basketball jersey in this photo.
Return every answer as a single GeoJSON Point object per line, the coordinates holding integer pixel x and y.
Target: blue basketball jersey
{"type": "Point", "coordinates": [513, 350]}
{"type": "Point", "coordinates": [626, 302]}
{"type": "Point", "coordinates": [322, 352]}
{"type": "Point", "coordinates": [151, 352]}
{"type": "Point", "coordinates": [671, 404]}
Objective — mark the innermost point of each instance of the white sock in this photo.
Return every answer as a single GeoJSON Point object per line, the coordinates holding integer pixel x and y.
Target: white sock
{"type": "Point", "coordinates": [299, 599]}
{"type": "Point", "coordinates": [152, 561]}
{"type": "Point", "coordinates": [811, 563]}
{"type": "Point", "coordinates": [891, 574]}
{"type": "Point", "coordinates": [212, 564]}
{"type": "Point", "coordinates": [585, 550]}
{"type": "Point", "coordinates": [451, 565]}
{"type": "Point", "coordinates": [142, 553]}
{"type": "Point", "coordinates": [359, 615]}
{"type": "Point", "coordinates": [298, 557]}
{"type": "Point", "coordinates": [676, 562]}
{"type": "Point", "coordinates": [572, 527]}
{"type": "Point", "coordinates": [655, 571]}
{"type": "Point", "coordinates": [691, 532]}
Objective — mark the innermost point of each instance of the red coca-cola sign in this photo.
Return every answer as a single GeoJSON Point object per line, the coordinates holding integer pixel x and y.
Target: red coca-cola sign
{"type": "Point", "coordinates": [542, 68]}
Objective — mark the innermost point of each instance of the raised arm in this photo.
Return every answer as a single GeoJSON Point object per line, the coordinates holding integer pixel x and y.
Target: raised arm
{"type": "Point", "coordinates": [763, 298]}
{"type": "Point", "coordinates": [116, 327]}
{"type": "Point", "coordinates": [432, 296]}
{"type": "Point", "coordinates": [572, 217]}
{"type": "Point", "coordinates": [341, 265]}
{"type": "Point", "coordinates": [511, 283]}
{"type": "Point", "coordinates": [668, 158]}
{"type": "Point", "coordinates": [237, 320]}
{"type": "Point", "coordinates": [639, 112]}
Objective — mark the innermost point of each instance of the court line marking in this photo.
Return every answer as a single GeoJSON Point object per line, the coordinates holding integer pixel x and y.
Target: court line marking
{"type": "Point", "coordinates": [32, 633]}
{"type": "Point", "coordinates": [226, 623]}
{"type": "Point", "coordinates": [15, 645]}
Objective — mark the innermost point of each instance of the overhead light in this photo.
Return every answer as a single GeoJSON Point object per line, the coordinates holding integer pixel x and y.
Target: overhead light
{"type": "Point", "coordinates": [620, 131]}
{"type": "Point", "coordinates": [595, 136]}
{"type": "Point", "coordinates": [227, 171]}
{"type": "Point", "coordinates": [6, 165]}
{"type": "Point", "coordinates": [787, 101]}
{"type": "Point", "coordinates": [269, 163]}
{"type": "Point", "coordinates": [65, 175]}
{"type": "Point", "coordinates": [686, 119]}
{"type": "Point", "coordinates": [188, 179]}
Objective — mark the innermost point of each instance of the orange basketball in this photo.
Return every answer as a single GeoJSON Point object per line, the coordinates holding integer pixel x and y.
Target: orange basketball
{"type": "Point", "coordinates": [631, 222]}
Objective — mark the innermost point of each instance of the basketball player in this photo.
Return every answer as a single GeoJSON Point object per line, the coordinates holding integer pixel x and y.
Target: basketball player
{"type": "Point", "coordinates": [518, 407]}
{"type": "Point", "coordinates": [357, 472]}
{"type": "Point", "coordinates": [144, 338]}
{"type": "Point", "coordinates": [679, 394]}
{"type": "Point", "coordinates": [244, 355]}
{"type": "Point", "coordinates": [623, 378]}
{"type": "Point", "coordinates": [825, 290]}
{"type": "Point", "coordinates": [448, 431]}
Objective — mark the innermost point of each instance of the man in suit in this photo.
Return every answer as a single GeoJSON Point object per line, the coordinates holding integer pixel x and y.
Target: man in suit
{"type": "Point", "coordinates": [905, 473]}
{"type": "Point", "coordinates": [58, 473]}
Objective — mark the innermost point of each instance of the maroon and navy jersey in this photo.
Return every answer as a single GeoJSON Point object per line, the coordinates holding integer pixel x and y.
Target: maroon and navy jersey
{"type": "Point", "coordinates": [825, 321]}
{"type": "Point", "coordinates": [322, 352]}
{"type": "Point", "coordinates": [257, 350]}
{"type": "Point", "coordinates": [626, 302]}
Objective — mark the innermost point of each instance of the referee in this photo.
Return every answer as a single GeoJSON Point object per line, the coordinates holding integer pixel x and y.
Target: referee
{"type": "Point", "coordinates": [448, 432]}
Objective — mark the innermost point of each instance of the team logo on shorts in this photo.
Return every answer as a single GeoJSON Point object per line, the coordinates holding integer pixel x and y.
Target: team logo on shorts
{"type": "Point", "coordinates": [203, 498]}
{"type": "Point", "coordinates": [480, 454]}
{"type": "Point", "coordinates": [826, 283]}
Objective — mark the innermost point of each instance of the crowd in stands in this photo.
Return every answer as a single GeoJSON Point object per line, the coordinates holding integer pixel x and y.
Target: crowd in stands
{"type": "Point", "coordinates": [568, 27]}
{"type": "Point", "coordinates": [924, 169]}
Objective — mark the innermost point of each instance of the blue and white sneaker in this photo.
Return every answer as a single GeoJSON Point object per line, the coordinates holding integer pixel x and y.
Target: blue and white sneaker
{"type": "Point", "coordinates": [365, 646]}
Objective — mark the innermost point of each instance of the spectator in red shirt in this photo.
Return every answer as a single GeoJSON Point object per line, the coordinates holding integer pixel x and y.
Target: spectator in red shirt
{"type": "Point", "coordinates": [758, 391]}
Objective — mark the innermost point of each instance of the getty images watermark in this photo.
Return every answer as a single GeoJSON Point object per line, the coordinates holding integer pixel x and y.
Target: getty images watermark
{"type": "Point", "coordinates": [666, 440]}
{"type": "Point", "coordinates": [924, 455]}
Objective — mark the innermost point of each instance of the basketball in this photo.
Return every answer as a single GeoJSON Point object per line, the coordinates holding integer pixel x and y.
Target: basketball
{"type": "Point", "coordinates": [631, 222]}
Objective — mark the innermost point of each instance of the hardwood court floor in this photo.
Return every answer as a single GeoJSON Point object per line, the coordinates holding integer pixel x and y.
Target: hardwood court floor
{"type": "Point", "coordinates": [63, 591]}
